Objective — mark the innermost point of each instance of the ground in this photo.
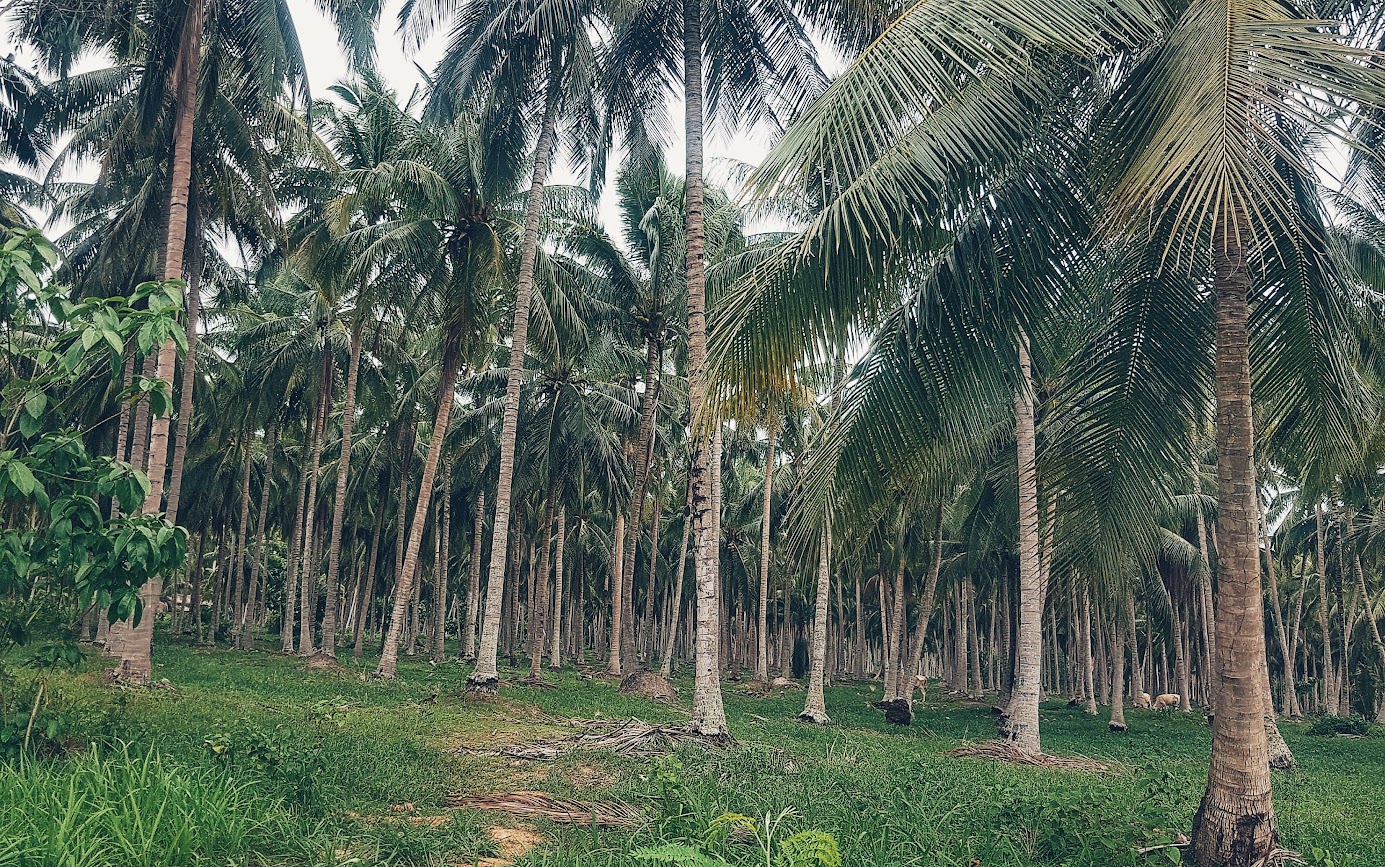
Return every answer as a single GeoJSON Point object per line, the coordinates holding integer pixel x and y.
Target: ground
{"type": "Point", "coordinates": [251, 758]}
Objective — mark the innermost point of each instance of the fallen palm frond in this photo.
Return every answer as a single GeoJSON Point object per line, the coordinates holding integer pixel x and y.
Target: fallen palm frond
{"type": "Point", "coordinates": [1005, 752]}
{"type": "Point", "coordinates": [631, 738]}
{"type": "Point", "coordinates": [613, 814]}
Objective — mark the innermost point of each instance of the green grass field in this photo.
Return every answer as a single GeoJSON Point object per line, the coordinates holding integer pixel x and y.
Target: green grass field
{"type": "Point", "coordinates": [252, 759]}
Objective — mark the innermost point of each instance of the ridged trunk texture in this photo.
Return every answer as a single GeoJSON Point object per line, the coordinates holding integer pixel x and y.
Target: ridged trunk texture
{"type": "Point", "coordinates": [1235, 823]}
{"type": "Point", "coordinates": [1021, 727]}
{"type": "Point", "coordinates": [1329, 682]}
{"type": "Point", "coordinates": [815, 704]}
{"type": "Point", "coordinates": [135, 638]}
{"type": "Point", "coordinates": [242, 547]}
{"type": "Point", "coordinates": [487, 674]}
{"type": "Point", "coordinates": [348, 419]}
{"type": "Point", "coordinates": [708, 713]}
{"type": "Point", "coordinates": [404, 585]}
{"type": "Point", "coordinates": [291, 578]}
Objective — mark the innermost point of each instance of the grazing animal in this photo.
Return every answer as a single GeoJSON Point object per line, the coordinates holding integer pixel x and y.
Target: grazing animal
{"type": "Point", "coordinates": [922, 683]}
{"type": "Point", "coordinates": [1142, 700]}
{"type": "Point", "coordinates": [1167, 701]}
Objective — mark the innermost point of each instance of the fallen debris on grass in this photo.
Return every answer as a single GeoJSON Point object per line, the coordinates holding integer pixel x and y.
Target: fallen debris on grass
{"type": "Point", "coordinates": [1004, 752]}
{"type": "Point", "coordinates": [613, 814]}
{"type": "Point", "coordinates": [631, 738]}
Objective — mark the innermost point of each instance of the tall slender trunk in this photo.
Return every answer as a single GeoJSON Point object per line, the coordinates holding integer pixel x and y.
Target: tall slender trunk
{"type": "Point", "coordinates": [895, 646]}
{"type": "Point", "coordinates": [708, 714]}
{"type": "Point", "coordinates": [1324, 620]}
{"type": "Point", "coordinates": [555, 649]}
{"type": "Point", "coordinates": [1204, 580]}
{"type": "Point", "coordinates": [762, 626]}
{"type": "Point", "coordinates": [538, 600]}
{"type": "Point", "coordinates": [189, 373]}
{"type": "Point", "coordinates": [1021, 724]}
{"type": "Point", "coordinates": [242, 546]}
{"type": "Point", "coordinates": [135, 638]}
{"type": "Point", "coordinates": [1088, 669]}
{"type": "Point", "coordinates": [1137, 680]}
{"type": "Point", "coordinates": [647, 619]}
{"type": "Point", "coordinates": [675, 610]}
{"type": "Point", "coordinates": [815, 705]}
{"type": "Point", "coordinates": [974, 641]}
{"type": "Point", "coordinates": [247, 628]}
{"type": "Point", "coordinates": [307, 609]}
{"type": "Point", "coordinates": [486, 676]}
{"type": "Point", "coordinates": [368, 585]}
{"type": "Point", "coordinates": [403, 587]}
{"type": "Point", "coordinates": [643, 451]}
{"type": "Point", "coordinates": [294, 551]}
{"type": "Point", "coordinates": [1117, 723]}
{"type": "Point", "coordinates": [473, 592]}
{"type": "Point", "coordinates": [617, 596]}
{"type": "Point", "coordinates": [924, 615]}
{"type": "Point", "coordinates": [1235, 823]}
{"type": "Point", "coordinates": [1281, 633]}
{"type": "Point", "coordinates": [444, 531]}
{"type": "Point", "coordinates": [348, 420]}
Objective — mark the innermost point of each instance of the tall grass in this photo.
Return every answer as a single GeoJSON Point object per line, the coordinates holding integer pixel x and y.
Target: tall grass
{"type": "Point", "coordinates": [129, 808]}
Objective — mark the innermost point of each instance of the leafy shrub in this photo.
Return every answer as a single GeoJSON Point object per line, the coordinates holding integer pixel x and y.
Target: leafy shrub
{"type": "Point", "coordinates": [1331, 726]}
{"type": "Point", "coordinates": [763, 842]}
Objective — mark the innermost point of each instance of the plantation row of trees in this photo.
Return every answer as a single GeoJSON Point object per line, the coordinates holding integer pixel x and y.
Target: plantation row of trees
{"type": "Point", "coordinates": [1063, 380]}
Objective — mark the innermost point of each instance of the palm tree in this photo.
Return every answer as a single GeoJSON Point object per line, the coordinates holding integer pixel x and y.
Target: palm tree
{"type": "Point", "coordinates": [764, 68]}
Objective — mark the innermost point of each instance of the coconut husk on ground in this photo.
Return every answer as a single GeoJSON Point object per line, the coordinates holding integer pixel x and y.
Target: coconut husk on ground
{"type": "Point", "coordinates": [1004, 752]}
{"type": "Point", "coordinates": [613, 814]}
{"type": "Point", "coordinates": [647, 684]}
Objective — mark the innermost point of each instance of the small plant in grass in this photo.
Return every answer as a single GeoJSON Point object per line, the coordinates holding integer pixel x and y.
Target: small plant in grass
{"type": "Point", "coordinates": [769, 845]}
{"type": "Point", "coordinates": [1331, 726]}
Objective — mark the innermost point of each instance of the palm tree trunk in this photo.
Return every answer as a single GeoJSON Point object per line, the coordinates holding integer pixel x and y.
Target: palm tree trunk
{"type": "Point", "coordinates": [266, 485]}
{"type": "Point", "coordinates": [538, 601]}
{"type": "Point", "coordinates": [555, 651]}
{"type": "Point", "coordinates": [473, 593]}
{"type": "Point", "coordinates": [762, 624]}
{"type": "Point", "coordinates": [348, 419]}
{"type": "Point", "coordinates": [1329, 687]}
{"type": "Point", "coordinates": [368, 585]}
{"type": "Point", "coordinates": [180, 444]}
{"type": "Point", "coordinates": [1088, 669]}
{"type": "Point", "coordinates": [974, 648]}
{"type": "Point", "coordinates": [617, 596]}
{"type": "Point", "coordinates": [403, 587]}
{"type": "Point", "coordinates": [1021, 725]}
{"type": "Point", "coordinates": [675, 608]}
{"type": "Point", "coordinates": [242, 545]}
{"type": "Point", "coordinates": [1235, 823]}
{"type": "Point", "coordinates": [815, 705]}
{"type": "Point", "coordinates": [307, 610]}
{"type": "Point", "coordinates": [1117, 723]}
{"type": "Point", "coordinates": [1281, 633]}
{"type": "Point", "coordinates": [643, 451]}
{"type": "Point", "coordinates": [708, 714]}
{"type": "Point", "coordinates": [295, 544]}
{"type": "Point", "coordinates": [487, 675]}
{"type": "Point", "coordinates": [444, 530]}
{"type": "Point", "coordinates": [135, 638]}
{"type": "Point", "coordinates": [924, 615]}
{"type": "Point", "coordinates": [894, 647]}
{"type": "Point", "coordinates": [647, 619]}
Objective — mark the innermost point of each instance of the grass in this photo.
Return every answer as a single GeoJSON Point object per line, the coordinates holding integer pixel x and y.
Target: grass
{"type": "Point", "coordinates": [253, 759]}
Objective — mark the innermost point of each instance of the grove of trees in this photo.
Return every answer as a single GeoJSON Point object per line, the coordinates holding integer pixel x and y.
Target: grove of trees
{"type": "Point", "coordinates": [1060, 374]}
